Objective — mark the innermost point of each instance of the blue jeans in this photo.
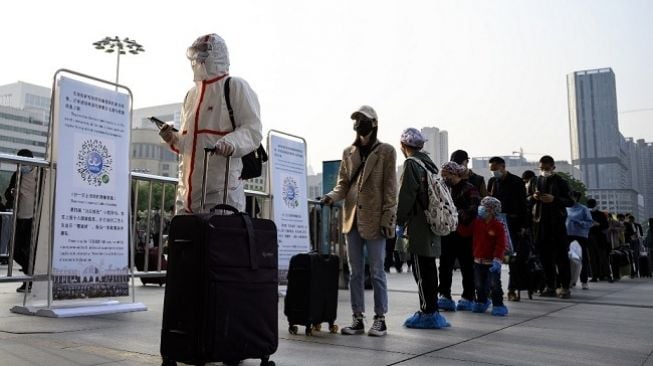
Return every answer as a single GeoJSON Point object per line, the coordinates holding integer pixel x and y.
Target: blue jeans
{"type": "Point", "coordinates": [485, 280]}
{"type": "Point", "coordinates": [376, 252]}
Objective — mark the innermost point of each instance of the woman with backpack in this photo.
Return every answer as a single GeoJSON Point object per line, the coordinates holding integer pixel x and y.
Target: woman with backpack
{"type": "Point", "coordinates": [423, 244]}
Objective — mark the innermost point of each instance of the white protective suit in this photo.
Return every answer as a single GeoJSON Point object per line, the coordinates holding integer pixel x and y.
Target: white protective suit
{"type": "Point", "coordinates": [205, 121]}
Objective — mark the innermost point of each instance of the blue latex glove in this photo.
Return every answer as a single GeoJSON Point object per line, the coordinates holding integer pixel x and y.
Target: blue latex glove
{"type": "Point", "coordinates": [399, 231]}
{"type": "Point", "coordinates": [496, 266]}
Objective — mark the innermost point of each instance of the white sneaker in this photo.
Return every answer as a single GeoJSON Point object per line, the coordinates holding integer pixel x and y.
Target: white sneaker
{"type": "Point", "coordinates": [585, 286]}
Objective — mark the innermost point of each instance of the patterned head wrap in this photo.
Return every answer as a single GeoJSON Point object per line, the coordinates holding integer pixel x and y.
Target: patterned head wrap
{"type": "Point", "coordinates": [453, 168]}
{"type": "Point", "coordinates": [413, 138]}
{"type": "Point", "coordinates": [491, 204]}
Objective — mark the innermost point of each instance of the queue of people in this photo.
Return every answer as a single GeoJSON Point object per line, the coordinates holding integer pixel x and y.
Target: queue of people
{"type": "Point", "coordinates": [542, 216]}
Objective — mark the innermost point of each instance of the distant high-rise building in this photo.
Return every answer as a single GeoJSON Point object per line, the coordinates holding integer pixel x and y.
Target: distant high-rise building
{"type": "Point", "coordinates": [24, 119]}
{"type": "Point", "coordinates": [437, 144]}
{"type": "Point", "coordinates": [597, 147]}
{"type": "Point", "coordinates": [610, 164]}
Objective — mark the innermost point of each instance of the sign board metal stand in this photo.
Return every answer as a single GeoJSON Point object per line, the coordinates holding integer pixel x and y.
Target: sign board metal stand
{"type": "Point", "coordinates": [96, 289]}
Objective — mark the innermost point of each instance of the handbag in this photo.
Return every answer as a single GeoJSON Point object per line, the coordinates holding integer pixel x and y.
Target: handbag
{"type": "Point", "coordinates": [252, 162]}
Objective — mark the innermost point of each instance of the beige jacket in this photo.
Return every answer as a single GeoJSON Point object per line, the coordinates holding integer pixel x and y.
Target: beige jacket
{"type": "Point", "coordinates": [372, 199]}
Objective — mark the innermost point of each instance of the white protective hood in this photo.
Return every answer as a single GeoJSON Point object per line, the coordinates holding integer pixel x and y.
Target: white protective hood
{"type": "Point", "coordinates": [209, 57]}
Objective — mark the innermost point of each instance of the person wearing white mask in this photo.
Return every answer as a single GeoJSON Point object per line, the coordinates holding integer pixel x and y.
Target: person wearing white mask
{"type": "Point", "coordinates": [205, 122]}
{"type": "Point", "coordinates": [551, 199]}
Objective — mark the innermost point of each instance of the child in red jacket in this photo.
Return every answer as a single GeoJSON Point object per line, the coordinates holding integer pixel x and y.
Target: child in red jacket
{"type": "Point", "coordinates": [488, 249]}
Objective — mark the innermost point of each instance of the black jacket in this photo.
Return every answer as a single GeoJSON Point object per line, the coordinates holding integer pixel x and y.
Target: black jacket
{"type": "Point", "coordinates": [511, 191]}
{"type": "Point", "coordinates": [556, 210]}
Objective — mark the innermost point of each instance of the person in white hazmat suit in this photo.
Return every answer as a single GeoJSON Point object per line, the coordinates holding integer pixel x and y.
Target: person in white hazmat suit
{"type": "Point", "coordinates": [205, 123]}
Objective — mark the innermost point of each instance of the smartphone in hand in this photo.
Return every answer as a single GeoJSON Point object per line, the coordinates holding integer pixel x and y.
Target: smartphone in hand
{"type": "Point", "coordinates": [159, 123]}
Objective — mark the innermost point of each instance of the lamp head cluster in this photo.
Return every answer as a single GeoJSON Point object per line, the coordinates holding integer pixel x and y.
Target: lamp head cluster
{"type": "Point", "coordinates": [122, 46]}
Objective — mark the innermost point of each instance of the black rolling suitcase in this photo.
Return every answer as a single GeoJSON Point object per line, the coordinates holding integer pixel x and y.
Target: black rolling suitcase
{"type": "Point", "coordinates": [312, 294]}
{"type": "Point", "coordinates": [221, 295]}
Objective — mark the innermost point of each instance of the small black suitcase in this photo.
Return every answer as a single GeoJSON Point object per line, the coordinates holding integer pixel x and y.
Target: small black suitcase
{"type": "Point", "coordinates": [221, 295]}
{"type": "Point", "coordinates": [312, 294]}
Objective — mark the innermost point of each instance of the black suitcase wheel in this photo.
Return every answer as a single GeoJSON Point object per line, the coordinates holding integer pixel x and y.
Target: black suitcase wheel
{"type": "Point", "coordinates": [309, 331]}
{"type": "Point", "coordinates": [333, 328]}
{"type": "Point", "coordinates": [292, 329]}
{"type": "Point", "coordinates": [265, 361]}
{"type": "Point", "coordinates": [168, 363]}
{"type": "Point", "coordinates": [317, 327]}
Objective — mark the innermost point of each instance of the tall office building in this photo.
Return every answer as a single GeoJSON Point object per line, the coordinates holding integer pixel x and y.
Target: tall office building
{"type": "Point", "coordinates": [597, 147]}
{"type": "Point", "coordinates": [437, 144]}
{"type": "Point", "coordinates": [610, 164]}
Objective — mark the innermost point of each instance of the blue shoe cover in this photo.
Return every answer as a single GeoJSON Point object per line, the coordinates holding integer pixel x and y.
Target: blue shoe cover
{"type": "Point", "coordinates": [464, 305]}
{"type": "Point", "coordinates": [412, 319]}
{"type": "Point", "coordinates": [427, 321]}
{"type": "Point", "coordinates": [480, 308]}
{"type": "Point", "coordinates": [499, 310]}
{"type": "Point", "coordinates": [446, 304]}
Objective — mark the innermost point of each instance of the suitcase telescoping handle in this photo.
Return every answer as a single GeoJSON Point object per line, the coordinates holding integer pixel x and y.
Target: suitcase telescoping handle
{"type": "Point", "coordinates": [207, 151]}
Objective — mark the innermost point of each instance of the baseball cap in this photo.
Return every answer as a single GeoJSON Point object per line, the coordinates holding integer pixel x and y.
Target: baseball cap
{"type": "Point", "coordinates": [366, 111]}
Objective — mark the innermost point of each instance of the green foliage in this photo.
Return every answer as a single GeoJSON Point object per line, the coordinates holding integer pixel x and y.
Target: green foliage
{"type": "Point", "coordinates": [157, 190]}
{"type": "Point", "coordinates": [575, 185]}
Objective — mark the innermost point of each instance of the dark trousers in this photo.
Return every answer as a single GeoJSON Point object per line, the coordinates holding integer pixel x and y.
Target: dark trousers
{"type": "Point", "coordinates": [599, 256]}
{"type": "Point", "coordinates": [553, 246]}
{"type": "Point", "coordinates": [584, 271]}
{"type": "Point", "coordinates": [483, 279]}
{"type": "Point", "coordinates": [22, 243]}
{"type": "Point", "coordinates": [455, 247]}
{"type": "Point", "coordinates": [425, 271]}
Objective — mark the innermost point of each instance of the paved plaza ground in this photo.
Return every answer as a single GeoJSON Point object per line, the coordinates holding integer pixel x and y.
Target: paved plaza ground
{"type": "Point", "coordinates": [609, 324]}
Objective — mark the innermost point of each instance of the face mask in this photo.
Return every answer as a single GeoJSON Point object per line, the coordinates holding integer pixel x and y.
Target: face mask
{"type": "Point", "coordinates": [363, 127]}
{"type": "Point", "coordinates": [482, 212]}
{"type": "Point", "coordinates": [497, 174]}
{"type": "Point", "coordinates": [546, 173]}
{"type": "Point", "coordinates": [25, 169]}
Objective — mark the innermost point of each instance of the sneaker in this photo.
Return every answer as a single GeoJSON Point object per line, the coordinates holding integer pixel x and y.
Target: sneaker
{"type": "Point", "coordinates": [23, 286]}
{"type": "Point", "coordinates": [478, 307]}
{"type": "Point", "coordinates": [499, 310]}
{"type": "Point", "coordinates": [512, 295]}
{"type": "Point", "coordinates": [548, 292]}
{"type": "Point", "coordinates": [446, 304]}
{"type": "Point", "coordinates": [584, 286]}
{"type": "Point", "coordinates": [378, 328]}
{"type": "Point", "coordinates": [564, 293]}
{"type": "Point", "coordinates": [464, 305]}
{"type": "Point", "coordinates": [357, 325]}
{"type": "Point", "coordinates": [422, 320]}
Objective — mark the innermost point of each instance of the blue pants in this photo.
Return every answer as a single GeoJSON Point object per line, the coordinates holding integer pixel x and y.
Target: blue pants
{"type": "Point", "coordinates": [486, 281]}
{"type": "Point", "coordinates": [376, 253]}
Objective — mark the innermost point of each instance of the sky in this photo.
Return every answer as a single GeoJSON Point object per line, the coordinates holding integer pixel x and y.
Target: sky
{"type": "Point", "coordinates": [491, 73]}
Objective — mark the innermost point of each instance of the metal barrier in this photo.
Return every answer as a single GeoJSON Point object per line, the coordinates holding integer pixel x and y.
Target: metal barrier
{"type": "Point", "coordinates": [149, 231]}
{"type": "Point", "coordinates": [9, 239]}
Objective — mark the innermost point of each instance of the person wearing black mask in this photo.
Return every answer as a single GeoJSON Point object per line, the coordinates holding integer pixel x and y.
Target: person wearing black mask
{"type": "Point", "coordinates": [367, 182]}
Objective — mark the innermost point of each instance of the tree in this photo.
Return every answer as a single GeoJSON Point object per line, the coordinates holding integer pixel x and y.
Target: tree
{"type": "Point", "coordinates": [157, 189]}
{"type": "Point", "coordinates": [575, 185]}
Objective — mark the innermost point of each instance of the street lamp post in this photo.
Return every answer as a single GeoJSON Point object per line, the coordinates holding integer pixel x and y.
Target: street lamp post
{"type": "Point", "coordinates": [120, 47]}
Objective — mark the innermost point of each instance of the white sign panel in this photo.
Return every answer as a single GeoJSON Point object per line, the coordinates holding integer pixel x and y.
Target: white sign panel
{"type": "Point", "coordinates": [91, 225]}
{"type": "Point", "coordinates": [290, 196]}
